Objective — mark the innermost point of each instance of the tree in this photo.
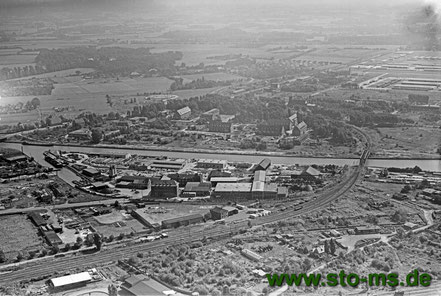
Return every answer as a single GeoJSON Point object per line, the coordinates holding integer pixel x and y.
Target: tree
{"type": "Point", "coordinates": [67, 247]}
{"type": "Point", "coordinates": [35, 102]}
{"type": "Point", "coordinates": [400, 216]}
{"type": "Point", "coordinates": [225, 290]}
{"type": "Point", "coordinates": [20, 256]}
{"type": "Point", "coordinates": [113, 291]}
{"type": "Point", "coordinates": [332, 247]}
{"type": "Point", "coordinates": [406, 189]}
{"type": "Point", "coordinates": [2, 257]}
{"type": "Point", "coordinates": [79, 240]}
{"type": "Point", "coordinates": [96, 136]}
{"type": "Point", "coordinates": [327, 251]}
{"type": "Point", "coordinates": [97, 240]}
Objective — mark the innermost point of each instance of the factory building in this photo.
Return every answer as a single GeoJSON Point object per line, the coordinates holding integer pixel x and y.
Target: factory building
{"type": "Point", "coordinates": [163, 189]}
{"type": "Point", "coordinates": [263, 165]}
{"type": "Point", "coordinates": [133, 182]}
{"type": "Point", "coordinates": [218, 213]}
{"type": "Point", "coordinates": [91, 173]}
{"type": "Point", "coordinates": [197, 189]}
{"type": "Point", "coordinates": [183, 221]}
{"type": "Point", "coordinates": [212, 164]}
{"type": "Point", "coordinates": [215, 180]}
{"type": "Point", "coordinates": [183, 179]}
{"type": "Point", "coordinates": [232, 191]}
{"type": "Point", "coordinates": [167, 165]}
{"type": "Point", "coordinates": [71, 281]}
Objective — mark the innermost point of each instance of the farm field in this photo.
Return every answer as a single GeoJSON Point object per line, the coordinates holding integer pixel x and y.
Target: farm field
{"type": "Point", "coordinates": [16, 59]}
{"type": "Point", "coordinates": [17, 231]}
{"type": "Point", "coordinates": [194, 54]}
{"type": "Point", "coordinates": [88, 95]}
{"type": "Point", "coordinates": [212, 76]}
{"type": "Point", "coordinates": [340, 54]}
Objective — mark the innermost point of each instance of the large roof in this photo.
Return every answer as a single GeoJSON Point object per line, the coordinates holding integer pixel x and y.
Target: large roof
{"type": "Point", "coordinates": [311, 171]}
{"type": "Point", "coordinates": [233, 187]}
{"type": "Point", "coordinates": [184, 110]}
{"type": "Point", "coordinates": [71, 279]}
{"type": "Point", "coordinates": [259, 176]}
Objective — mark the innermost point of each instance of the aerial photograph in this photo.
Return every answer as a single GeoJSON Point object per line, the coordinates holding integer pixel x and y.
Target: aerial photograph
{"type": "Point", "coordinates": [220, 147]}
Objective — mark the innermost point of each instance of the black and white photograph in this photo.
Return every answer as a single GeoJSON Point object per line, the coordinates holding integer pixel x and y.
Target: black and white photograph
{"type": "Point", "coordinates": [220, 147]}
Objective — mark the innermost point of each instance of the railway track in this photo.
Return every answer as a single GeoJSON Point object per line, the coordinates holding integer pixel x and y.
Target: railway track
{"type": "Point", "coordinates": [37, 269]}
{"type": "Point", "coordinates": [46, 267]}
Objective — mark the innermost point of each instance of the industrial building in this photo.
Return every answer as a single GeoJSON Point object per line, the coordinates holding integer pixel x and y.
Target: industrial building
{"type": "Point", "coordinates": [263, 165]}
{"type": "Point", "coordinates": [197, 189]}
{"type": "Point", "coordinates": [133, 182]}
{"type": "Point", "coordinates": [218, 213]}
{"type": "Point", "coordinates": [183, 179]}
{"type": "Point", "coordinates": [91, 172]}
{"type": "Point", "coordinates": [167, 165]}
{"type": "Point", "coordinates": [163, 189]}
{"type": "Point", "coordinates": [70, 281]}
{"type": "Point", "coordinates": [215, 180]}
{"type": "Point", "coordinates": [183, 221]}
{"type": "Point", "coordinates": [232, 191]}
{"type": "Point", "coordinates": [52, 238]}
{"type": "Point", "coordinates": [37, 219]}
{"type": "Point", "coordinates": [211, 164]}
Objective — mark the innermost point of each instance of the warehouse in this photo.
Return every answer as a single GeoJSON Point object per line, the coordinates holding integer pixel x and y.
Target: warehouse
{"type": "Point", "coordinates": [163, 189]}
{"type": "Point", "coordinates": [182, 179]}
{"type": "Point", "coordinates": [216, 180]}
{"type": "Point", "coordinates": [91, 172]}
{"type": "Point", "coordinates": [197, 188]}
{"type": "Point", "coordinates": [167, 165]}
{"type": "Point", "coordinates": [133, 182]}
{"type": "Point", "coordinates": [183, 221]}
{"type": "Point", "coordinates": [233, 191]}
{"type": "Point", "coordinates": [212, 164]}
{"type": "Point", "coordinates": [70, 281]}
{"type": "Point", "coordinates": [37, 219]}
{"type": "Point", "coordinates": [263, 165]}
{"type": "Point", "coordinates": [52, 238]}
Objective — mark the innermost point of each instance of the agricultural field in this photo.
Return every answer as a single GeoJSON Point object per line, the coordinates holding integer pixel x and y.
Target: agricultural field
{"type": "Point", "coordinates": [16, 59]}
{"type": "Point", "coordinates": [341, 55]}
{"type": "Point", "coordinates": [212, 76]}
{"type": "Point", "coordinates": [17, 231]}
{"type": "Point", "coordinates": [194, 54]}
{"type": "Point", "coordinates": [88, 95]}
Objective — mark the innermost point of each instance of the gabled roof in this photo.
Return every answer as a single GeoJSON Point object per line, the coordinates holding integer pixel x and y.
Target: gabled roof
{"type": "Point", "coordinates": [71, 279]}
{"type": "Point", "coordinates": [293, 117]}
{"type": "Point", "coordinates": [184, 110]}
{"type": "Point", "coordinates": [302, 125]}
{"type": "Point", "coordinates": [311, 171]}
